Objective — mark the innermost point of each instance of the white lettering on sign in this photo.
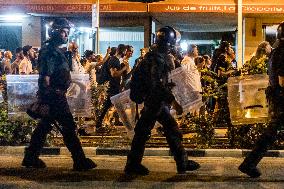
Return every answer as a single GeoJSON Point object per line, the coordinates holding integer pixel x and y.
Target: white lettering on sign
{"type": "Point", "coordinates": [80, 8]}
{"type": "Point", "coordinates": [173, 8]}
{"type": "Point", "coordinates": [263, 9]}
{"type": "Point", "coordinates": [105, 7]}
{"type": "Point", "coordinates": [215, 8]}
{"type": "Point", "coordinates": [41, 8]}
{"type": "Point", "coordinates": [198, 8]}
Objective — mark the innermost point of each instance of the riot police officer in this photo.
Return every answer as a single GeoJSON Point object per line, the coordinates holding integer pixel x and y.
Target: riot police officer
{"type": "Point", "coordinates": [275, 96]}
{"type": "Point", "coordinates": [54, 80]}
{"type": "Point", "coordinates": [157, 108]}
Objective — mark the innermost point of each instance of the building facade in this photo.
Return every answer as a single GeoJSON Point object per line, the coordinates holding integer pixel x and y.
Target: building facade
{"type": "Point", "coordinates": [202, 22]}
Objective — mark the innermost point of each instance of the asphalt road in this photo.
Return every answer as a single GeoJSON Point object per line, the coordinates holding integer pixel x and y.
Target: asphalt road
{"type": "Point", "coordinates": [214, 173]}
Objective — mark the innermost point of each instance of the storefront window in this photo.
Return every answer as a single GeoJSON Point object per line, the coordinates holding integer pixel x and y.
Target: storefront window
{"type": "Point", "coordinates": [114, 36]}
{"type": "Point", "coordinates": [10, 36]}
{"type": "Point", "coordinates": [270, 33]}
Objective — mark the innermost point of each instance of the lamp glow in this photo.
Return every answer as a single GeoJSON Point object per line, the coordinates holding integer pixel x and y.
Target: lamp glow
{"type": "Point", "coordinates": [14, 17]}
{"type": "Point", "coordinates": [184, 45]}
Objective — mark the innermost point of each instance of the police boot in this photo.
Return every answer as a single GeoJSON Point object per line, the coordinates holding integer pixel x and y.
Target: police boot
{"type": "Point", "coordinates": [183, 164]}
{"type": "Point", "coordinates": [81, 163]}
{"type": "Point", "coordinates": [72, 142]}
{"type": "Point", "coordinates": [250, 170]}
{"type": "Point", "coordinates": [250, 162]}
{"type": "Point", "coordinates": [135, 168]}
{"type": "Point", "coordinates": [31, 160]}
{"type": "Point", "coordinates": [84, 164]}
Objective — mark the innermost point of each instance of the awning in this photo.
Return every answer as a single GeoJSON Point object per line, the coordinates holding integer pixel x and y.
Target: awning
{"type": "Point", "coordinates": [171, 6]}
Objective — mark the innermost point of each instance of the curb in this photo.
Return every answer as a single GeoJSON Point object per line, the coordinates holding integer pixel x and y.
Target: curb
{"type": "Point", "coordinates": [92, 151]}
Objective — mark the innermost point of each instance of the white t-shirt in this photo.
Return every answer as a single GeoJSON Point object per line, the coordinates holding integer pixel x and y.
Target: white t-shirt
{"type": "Point", "coordinates": [77, 67]}
{"type": "Point", "coordinates": [194, 76]}
{"type": "Point", "coordinates": [90, 69]}
{"type": "Point", "coordinates": [25, 66]}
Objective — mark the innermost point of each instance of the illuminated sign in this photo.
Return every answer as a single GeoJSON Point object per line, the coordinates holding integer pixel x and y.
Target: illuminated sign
{"type": "Point", "coordinates": [215, 8]}
{"type": "Point", "coordinates": [140, 7]}
{"type": "Point", "coordinates": [125, 7]}
{"type": "Point", "coordinates": [80, 8]}
{"type": "Point", "coordinates": [47, 8]}
{"type": "Point", "coordinates": [191, 8]}
{"type": "Point", "coordinates": [263, 9]}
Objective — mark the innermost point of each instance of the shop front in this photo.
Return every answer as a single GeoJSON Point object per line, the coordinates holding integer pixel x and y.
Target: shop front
{"type": "Point", "coordinates": [120, 22]}
{"type": "Point", "coordinates": [203, 23]}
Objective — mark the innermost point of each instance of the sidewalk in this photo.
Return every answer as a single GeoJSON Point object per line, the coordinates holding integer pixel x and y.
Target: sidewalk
{"type": "Point", "coordinates": [92, 151]}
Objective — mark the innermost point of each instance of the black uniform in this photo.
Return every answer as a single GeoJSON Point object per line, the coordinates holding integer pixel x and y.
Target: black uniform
{"type": "Point", "coordinates": [275, 96]}
{"type": "Point", "coordinates": [53, 63]}
{"type": "Point", "coordinates": [156, 108]}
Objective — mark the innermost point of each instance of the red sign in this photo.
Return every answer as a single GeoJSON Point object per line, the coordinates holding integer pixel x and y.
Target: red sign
{"type": "Point", "coordinates": [215, 8]}
{"type": "Point", "coordinates": [139, 7]}
{"type": "Point", "coordinates": [48, 8]}
{"type": "Point", "coordinates": [81, 8]}
{"type": "Point", "coordinates": [123, 7]}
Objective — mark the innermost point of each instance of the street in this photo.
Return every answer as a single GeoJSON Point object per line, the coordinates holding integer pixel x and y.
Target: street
{"type": "Point", "coordinates": [214, 173]}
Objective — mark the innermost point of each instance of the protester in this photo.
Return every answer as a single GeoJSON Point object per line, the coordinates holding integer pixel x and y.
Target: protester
{"type": "Point", "coordinates": [16, 63]}
{"type": "Point", "coordinates": [77, 68]}
{"type": "Point", "coordinates": [143, 52]}
{"type": "Point", "coordinates": [258, 64]}
{"type": "Point", "coordinates": [25, 66]}
{"type": "Point", "coordinates": [199, 62]}
{"type": "Point", "coordinates": [189, 64]}
{"type": "Point", "coordinates": [6, 63]}
{"type": "Point", "coordinates": [126, 74]}
{"type": "Point", "coordinates": [208, 61]}
{"type": "Point", "coordinates": [113, 73]}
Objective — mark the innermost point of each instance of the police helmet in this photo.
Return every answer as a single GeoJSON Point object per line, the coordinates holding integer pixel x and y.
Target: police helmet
{"type": "Point", "coordinates": [56, 27]}
{"type": "Point", "coordinates": [280, 31]}
{"type": "Point", "coordinates": [167, 36]}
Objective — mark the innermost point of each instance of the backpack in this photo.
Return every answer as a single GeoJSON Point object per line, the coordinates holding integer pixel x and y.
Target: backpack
{"type": "Point", "coordinates": [140, 83]}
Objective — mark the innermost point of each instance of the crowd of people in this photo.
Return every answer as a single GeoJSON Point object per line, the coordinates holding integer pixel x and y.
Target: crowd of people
{"type": "Point", "coordinates": [25, 61]}
{"type": "Point", "coordinates": [115, 67]}
{"type": "Point", "coordinates": [55, 65]}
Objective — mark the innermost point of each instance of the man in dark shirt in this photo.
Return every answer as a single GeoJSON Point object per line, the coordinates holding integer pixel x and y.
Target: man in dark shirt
{"type": "Point", "coordinates": [54, 80]}
{"type": "Point", "coordinates": [143, 52]}
{"type": "Point", "coordinates": [224, 70]}
{"type": "Point", "coordinates": [223, 61]}
{"type": "Point", "coordinates": [275, 96]}
{"type": "Point", "coordinates": [157, 103]}
{"type": "Point", "coordinates": [113, 75]}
